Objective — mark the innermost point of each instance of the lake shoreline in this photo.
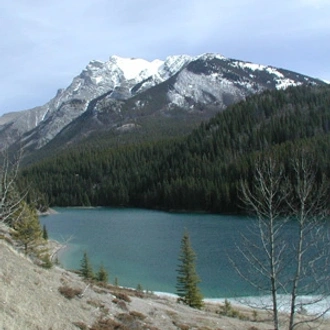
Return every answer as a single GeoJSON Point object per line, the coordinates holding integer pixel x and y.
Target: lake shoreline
{"type": "Point", "coordinates": [146, 243]}
{"type": "Point", "coordinates": [160, 209]}
{"type": "Point", "coordinates": [262, 302]}
{"type": "Point", "coordinates": [55, 248]}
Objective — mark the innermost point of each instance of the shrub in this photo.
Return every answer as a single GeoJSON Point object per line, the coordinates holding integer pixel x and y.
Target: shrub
{"type": "Point", "coordinates": [131, 319]}
{"type": "Point", "coordinates": [46, 262]}
{"type": "Point", "coordinates": [181, 326]}
{"type": "Point", "coordinates": [229, 311]}
{"type": "Point", "coordinates": [138, 315]}
{"type": "Point", "coordinates": [123, 296]}
{"type": "Point", "coordinates": [108, 324]}
{"type": "Point", "coordinates": [121, 304]}
{"type": "Point", "coordinates": [80, 325]}
{"type": "Point", "coordinates": [69, 292]}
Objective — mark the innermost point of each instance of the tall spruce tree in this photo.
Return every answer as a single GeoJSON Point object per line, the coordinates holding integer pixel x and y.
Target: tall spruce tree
{"type": "Point", "coordinates": [187, 279]}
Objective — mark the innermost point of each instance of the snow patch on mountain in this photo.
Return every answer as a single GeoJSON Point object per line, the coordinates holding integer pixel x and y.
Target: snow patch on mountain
{"type": "Point", "coordinates": [135, 68]}
{"type": "Point", "coordinates": [211, 56]}
{"type": "Point", "coordinates": [285, 83]}
{"type": "Point", "coordinates": [172, 65]}
{"type": "Point", "coordinates": [281, 81]}
{"type": "Point", "coordinates": [248, 65]}
{"type": "Point", "coordinates": [191, 88]}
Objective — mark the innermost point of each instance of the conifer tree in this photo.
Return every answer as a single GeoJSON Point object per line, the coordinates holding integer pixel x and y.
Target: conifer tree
{"type": "Point", "coordinates": [44, 233]}
{"type": "Point", "coordinates": [47, 263]}
{"type": "Point", "coordinates": [27, 226]}
{"type": "Point", "coordinates": [86, 269]}
{"type": "Point", "coordinates": [187, 279]}
{"type": "Point", "coordinates": [102, 275]}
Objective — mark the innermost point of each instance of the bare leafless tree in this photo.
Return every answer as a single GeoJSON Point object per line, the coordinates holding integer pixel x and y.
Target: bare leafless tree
{"type": "Point", "coordinates": [311, 250]}
{"type": "Point", "coordinates": [10, 198]}
{"type": "Point", "coordinates": [289, 245]}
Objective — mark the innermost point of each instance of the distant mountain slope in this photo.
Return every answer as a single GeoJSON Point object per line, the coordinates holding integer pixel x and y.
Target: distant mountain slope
{"type": "Point", "coordinates": [119, 91]}
{"type": "Point", "coordinates": [200, 171]}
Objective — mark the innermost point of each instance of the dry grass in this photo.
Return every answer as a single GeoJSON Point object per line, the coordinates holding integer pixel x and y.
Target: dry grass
{"type": "Point", "coordinates": [69, 292]}
{"type": "Point", "coordinates": [123, 296]}
{"type": "Point", "coordinates": [108, 324]}
{"type": "Point", "coordinates": [81, 325]}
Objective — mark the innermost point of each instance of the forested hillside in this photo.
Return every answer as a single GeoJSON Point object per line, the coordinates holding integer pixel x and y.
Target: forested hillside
{"type": "Point", "coordinates": [200, 171]}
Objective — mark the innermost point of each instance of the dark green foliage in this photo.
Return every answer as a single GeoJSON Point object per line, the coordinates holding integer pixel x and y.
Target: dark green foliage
{"type": "Point", "coordinates": [187, 279]}
{"type": "Point", "coordinates": [86, 269]}
{"type": "Point", "coordinates": [139, 288]}
{"type": "Point", "coordinates": [44, 233]}
{"type": "Point", "coordinates": [46, 261]}
{"type": "Point", "coordinates": [57, 261]}
{"type": "Point", "coordinates": [228, 310]}
{"type": "Point", "coordinates": [27, 227]}
{"type": "Point", "coordinates": [102, 275]}
{"type": "Point", "coordinates": [198, 172]}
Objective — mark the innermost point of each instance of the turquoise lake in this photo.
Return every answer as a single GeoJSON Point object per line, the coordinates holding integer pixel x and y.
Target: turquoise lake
{"type": "Point", "coordinates": [139, 246]}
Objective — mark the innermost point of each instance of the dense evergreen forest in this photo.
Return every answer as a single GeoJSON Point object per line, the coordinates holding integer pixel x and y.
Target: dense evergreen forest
{"type": "Point", "coordinates": [198, 172]}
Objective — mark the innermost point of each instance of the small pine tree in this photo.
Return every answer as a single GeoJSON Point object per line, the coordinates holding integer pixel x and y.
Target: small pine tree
{"type": "Point", "coordinates": [44, 233]}
{"type": "Point", "coordinates": [139, 288]}
{"type": "Point", "coordinates": [187, 279]}
{"type": "Point", "coordinates": [57, 261]}
{"type": "Point", "coordinates": [86, 269]}
{"type": "Point", "coordinates": [47, 263]}
{"type": "Point", "coordinates": [27, 227]}
{"type": "Point", "coordinates": [102, 275]}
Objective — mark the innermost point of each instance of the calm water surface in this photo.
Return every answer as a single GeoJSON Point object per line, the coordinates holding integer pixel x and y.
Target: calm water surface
{"type": "Point", "coordinates": [142, 246]}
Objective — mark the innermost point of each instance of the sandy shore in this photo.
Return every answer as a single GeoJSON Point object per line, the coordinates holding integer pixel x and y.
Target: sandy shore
{"type": "Point", "coordinates": [48, 212]}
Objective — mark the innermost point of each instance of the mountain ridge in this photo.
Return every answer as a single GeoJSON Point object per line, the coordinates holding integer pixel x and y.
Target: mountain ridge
{"type": "Point", "coordinates": [200, 171]}
{"type": "Point", "coordinates": [193, 82]}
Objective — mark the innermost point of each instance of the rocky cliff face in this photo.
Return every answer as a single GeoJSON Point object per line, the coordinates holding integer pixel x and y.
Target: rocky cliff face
{"type": "Point", "coordinates": [188, 83]}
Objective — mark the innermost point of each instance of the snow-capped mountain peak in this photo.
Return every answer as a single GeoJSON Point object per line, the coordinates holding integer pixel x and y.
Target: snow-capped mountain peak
{"type": "Point", "coordinates": [210, 56]}
{"type": "Point", "coordinates": [189, 82]}
{"type": "Point", "coordinates": [132, 68]}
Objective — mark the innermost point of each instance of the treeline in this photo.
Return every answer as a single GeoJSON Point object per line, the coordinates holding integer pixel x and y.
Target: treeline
{"type": "Point", "coordinates": [200, 171]}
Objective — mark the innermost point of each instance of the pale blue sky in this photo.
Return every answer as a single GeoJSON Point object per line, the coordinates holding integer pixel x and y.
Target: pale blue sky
{"type": "Point", "coordinates": [45, 43]}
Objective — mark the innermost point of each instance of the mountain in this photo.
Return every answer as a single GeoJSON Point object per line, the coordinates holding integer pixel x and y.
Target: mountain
{"type": "Point", "coordinates": [200, 171]}
{"type": "Point", "coordinates": [116, 94]}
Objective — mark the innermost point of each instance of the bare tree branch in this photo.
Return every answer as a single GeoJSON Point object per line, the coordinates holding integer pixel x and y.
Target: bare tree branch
{"type": "Point", "coordinates": [292, 249]}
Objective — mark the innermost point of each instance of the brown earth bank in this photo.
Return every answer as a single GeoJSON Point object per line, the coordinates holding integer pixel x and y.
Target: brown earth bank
{"type": "Point", "coordinates": [35, 298]}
